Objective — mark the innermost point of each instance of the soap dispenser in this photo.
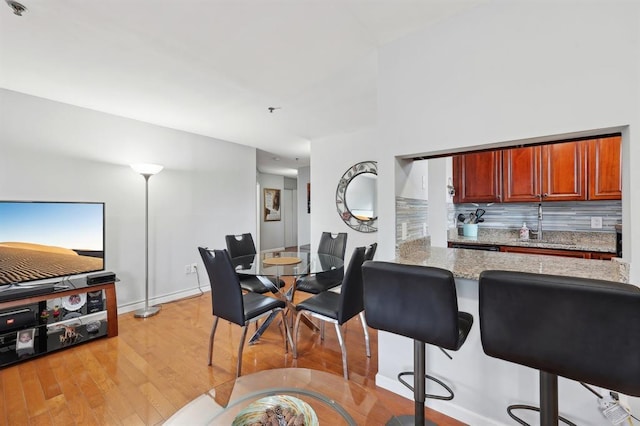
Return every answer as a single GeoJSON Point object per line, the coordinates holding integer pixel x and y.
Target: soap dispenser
{"type": "Point", "coordinates": [524, 232]}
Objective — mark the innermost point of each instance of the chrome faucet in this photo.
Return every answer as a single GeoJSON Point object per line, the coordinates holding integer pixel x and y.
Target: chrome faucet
{"type": "Point", "coordinates": [539, 234]}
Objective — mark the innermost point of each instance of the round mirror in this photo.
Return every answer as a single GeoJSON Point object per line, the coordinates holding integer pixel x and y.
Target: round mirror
{"type": "Point", "coordinates": [356, 196]}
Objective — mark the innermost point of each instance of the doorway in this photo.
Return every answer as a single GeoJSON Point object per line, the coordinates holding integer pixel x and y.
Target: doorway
{"type": "Point", "coordinates": [290, 217]}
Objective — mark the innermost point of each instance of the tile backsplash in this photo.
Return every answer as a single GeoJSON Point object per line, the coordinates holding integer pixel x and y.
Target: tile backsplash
{"type": "Point", "coordinates": [557, 216]}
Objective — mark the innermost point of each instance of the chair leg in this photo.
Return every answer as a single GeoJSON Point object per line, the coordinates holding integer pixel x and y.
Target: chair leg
{"type": "Point", "coordinates": [213, 332]}
{"type": "Point", "coordinates": [322, 331]}
{"type": "Point", "coordinates": [365, 327]}
{"type": "Point", "coordinates": [287, 334]}
{"type": "Point", "coordinates": [295, 338]}
{"type": "Point", "coordinates": [242, 339]}
{"type": "Point", "coordinates": [344, 351]}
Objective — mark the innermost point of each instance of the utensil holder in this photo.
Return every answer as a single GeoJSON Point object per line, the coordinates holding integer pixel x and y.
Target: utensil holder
{"type": "Point", "coordinates": [470, 229]}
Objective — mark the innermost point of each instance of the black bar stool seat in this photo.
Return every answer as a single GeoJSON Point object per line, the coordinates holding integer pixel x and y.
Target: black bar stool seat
{"type": "Point", "coordinates": [420, 303]}
{"type": "Point", "coordinates": [582, 329]}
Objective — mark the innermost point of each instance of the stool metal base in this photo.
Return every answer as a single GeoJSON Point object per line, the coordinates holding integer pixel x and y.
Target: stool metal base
{"type": "Point", "coordinates": [407, 421]}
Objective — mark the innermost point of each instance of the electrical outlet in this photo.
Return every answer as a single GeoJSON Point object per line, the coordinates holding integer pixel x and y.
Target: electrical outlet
{"type": "Point", "coordinates": [194, 268]}
{"type": "Point", "coordinates": [187, 269]}
{"type": "Point", "coordinates": [596, 222]}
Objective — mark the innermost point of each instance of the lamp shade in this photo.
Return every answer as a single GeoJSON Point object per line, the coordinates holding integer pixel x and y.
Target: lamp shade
{"type": "Point", "coordinates": [147, 169]}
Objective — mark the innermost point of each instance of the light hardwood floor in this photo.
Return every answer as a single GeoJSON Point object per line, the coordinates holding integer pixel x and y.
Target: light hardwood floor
{"type": "Point", "coordinates": [157, 365]}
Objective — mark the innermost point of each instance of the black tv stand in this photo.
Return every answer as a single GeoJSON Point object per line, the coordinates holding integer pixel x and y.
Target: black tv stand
{"type": "Point", "coordinates": [51, 333]}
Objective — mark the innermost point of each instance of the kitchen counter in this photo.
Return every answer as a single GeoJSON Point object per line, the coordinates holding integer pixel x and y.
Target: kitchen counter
{"type": "Point", "coordinates": [469, 264]}
{"type": "Point", "coordinates": [604, 242]}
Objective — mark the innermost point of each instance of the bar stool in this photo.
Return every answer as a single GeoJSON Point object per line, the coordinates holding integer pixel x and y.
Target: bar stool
{"type": "Point", "coordinates": [582, 329]}
{"type": "Point", "coordinates": [420, 303]}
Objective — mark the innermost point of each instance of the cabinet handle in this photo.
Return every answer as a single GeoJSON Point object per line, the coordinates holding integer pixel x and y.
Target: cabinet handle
{"type": "Point", "coordinates": [545, 195]}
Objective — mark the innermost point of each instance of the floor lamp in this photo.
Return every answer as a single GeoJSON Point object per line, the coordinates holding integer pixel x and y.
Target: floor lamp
{"type": "Point", "coordinates": [146, 170]}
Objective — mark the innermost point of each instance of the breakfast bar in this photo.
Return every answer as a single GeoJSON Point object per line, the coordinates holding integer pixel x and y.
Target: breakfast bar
{"type": "Point", "coordinates": [485, 386]}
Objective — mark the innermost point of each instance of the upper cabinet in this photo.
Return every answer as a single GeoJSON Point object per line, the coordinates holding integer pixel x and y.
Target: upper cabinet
{"type": "Point", "coordinates": [478, 177]}
{"type": "Point", "coordinates": [521, 174]}
{"type": "Point", "coordinates": [568, 171]}
{"type": "Point", "coordinates": [605, 173]}
{"type": "Point", "coordinates": [564, 172]}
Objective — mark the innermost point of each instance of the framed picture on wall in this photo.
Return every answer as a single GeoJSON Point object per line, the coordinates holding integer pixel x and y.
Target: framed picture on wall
{"type": "Point", "coordinates": [308, 198]}
{"type": "Point", "coordinates": [271, 204]}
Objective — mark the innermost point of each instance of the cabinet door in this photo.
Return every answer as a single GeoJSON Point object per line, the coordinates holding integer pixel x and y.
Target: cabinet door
{"type": "Point", "coordinates": [604, 166]}
{"type": "Point", "coordinates": [548, 252]}
{"type": "Point", "coordinates": [521, 174]}
{"type": "Point", "coordinates": [477, 177]}
{"type": "Point", "coordinates": [564, 176]}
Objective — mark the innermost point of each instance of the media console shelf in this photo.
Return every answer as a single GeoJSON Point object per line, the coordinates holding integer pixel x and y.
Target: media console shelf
{"type": "Point", "coordinates": [56, 333]}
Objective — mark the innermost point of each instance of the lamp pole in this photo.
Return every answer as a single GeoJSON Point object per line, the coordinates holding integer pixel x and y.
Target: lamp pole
{"type": "Point", "coordinates": [146, 170]}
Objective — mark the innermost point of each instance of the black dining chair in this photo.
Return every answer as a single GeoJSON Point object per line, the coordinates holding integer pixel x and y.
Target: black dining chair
{"type": "Point", "coordinates": [229, 303]}
{"type": "Point", "coordinates": [338, 308]}
{"type": "Point", "coordinates": [371, 251]}
{"type": "Point", "coordinates": [318, 283]}
{"type": "Point", "coordinates": [243, 245]}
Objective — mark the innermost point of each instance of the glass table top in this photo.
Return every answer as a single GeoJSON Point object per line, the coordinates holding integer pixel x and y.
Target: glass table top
{"type": "Point", "coordinates": [310, 263]}
{"type": "Point", "coordinates": [334, 400]}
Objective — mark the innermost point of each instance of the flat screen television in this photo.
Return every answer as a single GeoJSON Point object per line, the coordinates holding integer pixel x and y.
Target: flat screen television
{"type": "Point", "coordinates": [41, 240]}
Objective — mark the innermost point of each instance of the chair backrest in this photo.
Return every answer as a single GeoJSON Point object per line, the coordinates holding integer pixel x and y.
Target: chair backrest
{"type": "Point", "coordinates": [226, 294]}
{"type": "Point", "coordinates": [371, 251]}
{"type": "Point", "coordinates": [240, 245]}
{"type": "Point", "coordinates": [585, 330]}
{"type": "Point", "coordinates": [418, 302]}
{"type": "Point", "coordinates": [351, 302]}
{"type": "Point", "coordinates": [335, 246]}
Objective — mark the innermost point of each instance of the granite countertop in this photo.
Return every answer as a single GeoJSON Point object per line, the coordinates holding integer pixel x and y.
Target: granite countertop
{"type": "Point", "coordinates": [604, 242]}
{"type": "Point", "coordinates": [470, 263]}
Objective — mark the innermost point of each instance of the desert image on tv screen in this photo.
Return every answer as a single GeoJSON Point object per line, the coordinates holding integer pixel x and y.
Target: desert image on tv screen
{"type": "Point", "coordinates": [48, 240]}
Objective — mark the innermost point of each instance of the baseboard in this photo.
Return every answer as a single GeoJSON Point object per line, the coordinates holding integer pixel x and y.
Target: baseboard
{"type": "Point", "coordinates": [445, 407]}
{"type": "Point", "coordinates": [274, 249]}
{"type": "Point", "coordinates": [130, 307]}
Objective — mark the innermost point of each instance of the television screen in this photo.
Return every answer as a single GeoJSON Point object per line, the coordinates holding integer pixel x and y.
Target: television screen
{"type": "Point", "coordinates": [40, 240]}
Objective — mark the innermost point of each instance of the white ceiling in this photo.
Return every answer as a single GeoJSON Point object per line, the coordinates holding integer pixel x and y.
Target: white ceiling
{"type": "Point", "coordinates": [213, 67]}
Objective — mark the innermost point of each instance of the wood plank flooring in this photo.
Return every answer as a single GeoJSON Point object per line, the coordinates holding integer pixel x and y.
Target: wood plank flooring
{"type": "Point", "coordinates": [159, 364]}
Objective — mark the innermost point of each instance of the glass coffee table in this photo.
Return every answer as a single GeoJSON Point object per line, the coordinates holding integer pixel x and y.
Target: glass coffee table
{"type": "Point", "coordinates": [333, 400]}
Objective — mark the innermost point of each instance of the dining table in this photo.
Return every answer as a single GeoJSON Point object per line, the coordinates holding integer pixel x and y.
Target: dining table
{"type": "Point", "coordinates": [270, 266]}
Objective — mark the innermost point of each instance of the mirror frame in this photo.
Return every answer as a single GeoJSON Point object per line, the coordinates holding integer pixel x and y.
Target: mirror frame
{"type": "Point", "coordinates": [357, 169]}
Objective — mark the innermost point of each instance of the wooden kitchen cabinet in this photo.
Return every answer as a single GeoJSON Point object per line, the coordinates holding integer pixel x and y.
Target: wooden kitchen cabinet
{"type": "Point", "coordinates": [550, 252]}
{"type": "Point", "coordinates": [604, 170]}
{"type": "Point", "coordinates": [564, 172]}
{"type": "Point", "coordinates": [558, 252]}
{"type": "Point", "coordinates": [477, 177]}
{"type": "Point", "coordinates": [555, 172]}
{"type": "Point", "coordinates": [521, 174]}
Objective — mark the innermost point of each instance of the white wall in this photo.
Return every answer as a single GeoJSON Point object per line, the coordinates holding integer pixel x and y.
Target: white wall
{"type": "Point", "coordinates": [508, 72]}
{"type": "Point", "coordinates": [272, 232]}
{"type": "Point", "coordinates": [304, 218]}
{"type": "Point", "coordinates": [412, 179]}
{"type": "Point", "coordinates": [53, 151]}
{"type": "Point", "coordinates": [330, 159]}
{"type": "Point", "coordinates": [500, 73]}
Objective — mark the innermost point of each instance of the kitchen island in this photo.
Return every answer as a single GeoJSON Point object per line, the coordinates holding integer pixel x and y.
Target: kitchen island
{"type": "Point", "coordinates": [485, 386]}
